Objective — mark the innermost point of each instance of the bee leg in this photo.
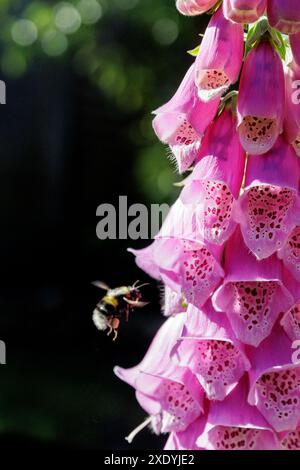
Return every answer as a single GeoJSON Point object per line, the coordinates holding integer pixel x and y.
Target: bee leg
{"type": "Point", "coordinates": [115, 335]}
{"type": "Point", "coordinates": [115, 325]}
{"type": "Point", "coordinates": [110, 330]}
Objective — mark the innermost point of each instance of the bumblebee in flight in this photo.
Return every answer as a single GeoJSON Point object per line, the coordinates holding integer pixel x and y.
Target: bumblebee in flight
{"type": "Point", "coordinates": [116, 304]}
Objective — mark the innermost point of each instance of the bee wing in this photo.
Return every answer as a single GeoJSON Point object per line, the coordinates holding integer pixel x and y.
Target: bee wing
{"type": "Point", "coordinates": [136, 303]}
{"type": "Point", "coordinates": [101, 285]}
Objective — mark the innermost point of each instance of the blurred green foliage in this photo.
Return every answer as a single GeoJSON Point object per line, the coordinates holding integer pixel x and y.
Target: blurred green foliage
{"type": "Point", "coordinates": [129, 49]}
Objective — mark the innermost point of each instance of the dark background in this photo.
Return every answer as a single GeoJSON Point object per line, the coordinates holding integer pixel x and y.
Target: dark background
{"type": "Point", "coordinates": [75, 133]}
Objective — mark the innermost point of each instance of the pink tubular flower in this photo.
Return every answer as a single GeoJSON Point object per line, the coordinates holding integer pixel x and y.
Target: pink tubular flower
{"type": "Point", "coordinates": [261, 99]}
{"type": "Point", "coordinates": [171, 395]}
{"type": "Point", "coordinates": [190, 268]}
{"type": "Point", "coordinates": [284, 15]}
{"type": "Point", "coordinates": [194, 7]}
{"type": "Point", "coordinates": [181, 259]}
{"type": "Point", "coordinates": [244, 11]}
{"type": "Point", "coordinates": [234, 425]}
{"type": "Point", "coordinates": [223, 371]}
{"type": "Point", "coordinates": [295, 46]}
{"type": "Point", "coordinates": [290, 321]}
{"type": "Point", "coordinates": [186, 439]}
{"type": "Point", "coordinates": [220, 57]}
{"type": "Point", "coordinates": [292, 108]}
{"type": "Point", "coordinates": [181, 122]}
{"type": "Point", "coordinates": [213, 187]}
{"type": "Point", "coordinates": [253, 294]}
{"type": "Point", "coordinates": [194, 267]}
{"type": "Point", "coordinates": [210, 349]}
{"type": "Point", "coordinates": [269, 208]}
{"type": "Point", "coordinates": [275, 382]}
{"type": "Point", "coordinates": [290, 253]}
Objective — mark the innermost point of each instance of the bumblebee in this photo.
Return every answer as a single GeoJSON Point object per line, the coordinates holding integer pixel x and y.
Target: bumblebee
{"type": "Point", "coordinates": [116, 304]}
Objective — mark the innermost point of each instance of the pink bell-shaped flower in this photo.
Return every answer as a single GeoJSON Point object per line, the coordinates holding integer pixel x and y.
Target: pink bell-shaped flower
{"type": "Point", "coordinates": [186, 439]}
{"type": "Point", "coordinates": [223, 371]}
{"type": "Point", "coordinates": [190, 268]}
{"type": "Point", "coordinates": [290, 253]}
{"type": "Point", "coordinates": [290, 320]}
{"type": "Point", "coordinates": [275, 382]}
{"type": "Point", "coordinates": [252, 294]}
{"type": "Point", "coordinates": [170, 394]}
{"type": "Point", "coordinates": [220, 57]}
{"type": "Point", "coordinates": [214, 187]}
{"type": "Point", "coordinates": [269, 208]}
{"type": "Point", "coordinates": [244, 11]}
{"type": "Point", "coordinates": [194, 7]}
{"type": "Point", "coordinates": [209, 348]}
{"type": "Point", "coordinates": [233, 424]}
{"type": "Point", "coordinates": [181, 258]}
{"type": "Point", "coordinates": [284, 15]}
{"type": "Point", "coordinates": [181, 122]}
{"type": "Point", "coordinates": [261, 99]}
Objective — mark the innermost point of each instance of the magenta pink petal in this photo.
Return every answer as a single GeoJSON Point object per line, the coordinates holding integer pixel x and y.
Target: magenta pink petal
{"type": "Point", "coordinates": [194, 7]}
{"type": "Point", "coordinates": [284, 15]}
{"type": "Point", "coordinates": [189, 267]}
{"type": "Point", "coordinates": [186, 440]}
{"type": "Point", "coordinates": [290, 440]}
{"type": "Point", "coordinates": [233, 424]}
{"type": "Point", "coordinates": [211, 351]}
{"type": "Point", "coordinates": [213, 187]}
{"type": "Point", "coordinates": [270, 205]}
{"type": "Point", "coordinates": [149, 404]}
{"type": "Point", "coordinates": [275, 382]}
{"type": "Point", "coordinates": [181, 223]}
{"type": "Point", "coordinates": [172, 302]}
{"type": "Point", "coordinates": [158, 379]}
{"type": "Point", "coordinates": [290, 320]}
{"type": "Point", "coordinates": [220, 57]}
{"type": "Point", "coordinates": [290, 253]}
{"type": "Point", "coordinates": [192, 267]}
{"type": "Point", "coordinates": [181, 122]}
{"type": "Point", "coordinates": [252, 294]}
{"type": "Point", "coordinates": [157, 359]}
{"type": "Point", "coordinates": [144, 260]}
{"type": "Point", "coordinates": [261, 106]}
{"type": "Point", "coordinates": [244, 11]}
{"type": "Point", "coordinates": [295, 46]}
{"type": "Point", "coordinates": [292, 107]}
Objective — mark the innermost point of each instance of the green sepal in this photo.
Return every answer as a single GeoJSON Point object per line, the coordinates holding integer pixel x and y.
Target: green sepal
{"type": "Point", "coordinates": [194, 52]}
{"type": "Point", "coordinates": [261, 29]}
{"type": "Point", "coordinates": [278, 42]}
{"type": "Point", "coordinates": [228, 100]}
